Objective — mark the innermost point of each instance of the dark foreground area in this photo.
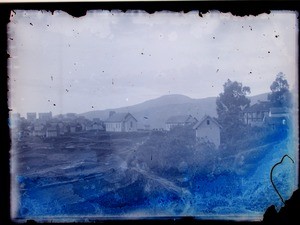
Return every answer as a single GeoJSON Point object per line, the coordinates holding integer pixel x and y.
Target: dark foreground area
{"type": "Point", "coordinates": [120, 175]}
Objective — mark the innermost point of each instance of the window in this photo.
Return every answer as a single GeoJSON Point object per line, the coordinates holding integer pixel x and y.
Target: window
{"type": "Point", "coordinates": [207, 122]}
{"type": "Point", "coordinates": [131, 124]}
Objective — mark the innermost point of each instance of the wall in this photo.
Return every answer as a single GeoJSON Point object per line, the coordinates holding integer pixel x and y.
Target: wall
{"type": "Point", "coordinates": [127, 125]}
{"type": "Point", "coordinates": [170, 126]}
{"type": "Point", "coordinates": [210, 132]}
{"type": "Point", "coordinates": [113, 127]}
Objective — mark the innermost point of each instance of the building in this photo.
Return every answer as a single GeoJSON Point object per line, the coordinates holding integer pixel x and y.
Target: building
{"type": "Point", "coordinates": [14, 120]}
{"type": "Point", "coordinates": [275, 122]}
{"type": "Point", "coordinates": [277, 117]}
{"type": "Point", "coordinates": [180, 120]}
{"type": "Point", "coordinates": [39, 130]}
{"type": "Point", "coordinates": [98, 126]}
{"type": "Point", "coordinates": [71, 116]}
{"type": "Point", "coordinates": [121, 122]}
{"type": "Point", "coordinates": [255, 114]}
{"type": "Point", "coordinates": [52, 131]}
{"type": "Point", "coordinates": [278, 112]}
{"type": "Point", "coordinates": [31, 117]}
{"type": "Point", "coordinates": [208, 130]}
{"type": "Point", "coordinates": [88, 125]}
{"type": "Point", "coordinates": [262, 113]}
{"type": "Point", "coordinates": [62, 128]}
{"type": "Point", "coordinates": [45, 117]}
{"type": "Point", "coordinates": [60, 116]}
{"type": "Point", "coordinates": [82, 121]}
{"type": "Point", "coordinates": [73, 127]}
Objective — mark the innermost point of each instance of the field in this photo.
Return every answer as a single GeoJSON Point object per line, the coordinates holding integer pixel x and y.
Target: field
{"type": "Point", "coordinates": [100, 175]}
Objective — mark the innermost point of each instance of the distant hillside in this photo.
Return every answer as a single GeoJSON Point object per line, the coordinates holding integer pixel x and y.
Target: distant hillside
{"type": "Point", "coordinates": [260, 97]}
{"type": "Point", "coordinates": [156, 111]}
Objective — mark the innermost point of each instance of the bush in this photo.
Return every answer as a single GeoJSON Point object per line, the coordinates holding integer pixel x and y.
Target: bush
{"type": "Point", "coordinates": [252, 137]}
{"type": "Point", "coordinates": [176, 152]}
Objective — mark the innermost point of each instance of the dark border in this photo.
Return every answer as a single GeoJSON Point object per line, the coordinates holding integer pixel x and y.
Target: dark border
{"type": "Point", "coordinates": [239, 8]}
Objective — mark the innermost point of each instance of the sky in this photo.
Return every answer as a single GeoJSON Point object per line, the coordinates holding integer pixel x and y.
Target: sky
{"type": "Point", "coordinates": [111, 59]}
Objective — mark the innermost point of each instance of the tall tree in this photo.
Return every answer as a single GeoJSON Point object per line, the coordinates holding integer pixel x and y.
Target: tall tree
{"type": "Point", "coordinates": [280, 95]}
{"type": "Point", "coordinates": [230, 105]}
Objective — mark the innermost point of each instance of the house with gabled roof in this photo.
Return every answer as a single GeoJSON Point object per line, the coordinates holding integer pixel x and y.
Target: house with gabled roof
{"type": "Point", "coordinates": [208, 130]}
{"type": "Point", "coordinates": [255, 115]}
{"type": "Point", "coordinates": [121, 122]}
{"type": "Point", "coordinates": [52, 130]}
{"type": "Point", "coordinates": [39, 130]}
{"type": "Point", "coordinates": [180, 120]}
{"type": "Point", "coordinates": [262, 113]}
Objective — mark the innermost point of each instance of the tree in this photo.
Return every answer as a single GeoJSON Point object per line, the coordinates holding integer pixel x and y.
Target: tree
{"type": "Point", "coordinates": [280, 95]}
{"type": "Point", "coordinates": [230, 105]}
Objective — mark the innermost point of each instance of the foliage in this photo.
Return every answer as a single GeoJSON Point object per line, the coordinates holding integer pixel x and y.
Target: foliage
{"type": "Point", "coordinates": [280, 95]}
{"type": "Point", "coordinates": [259, 136]}
{"type": "Point", "coordinates": [175, 152]}
{"type": "Point", "coordinates": [230, 105]}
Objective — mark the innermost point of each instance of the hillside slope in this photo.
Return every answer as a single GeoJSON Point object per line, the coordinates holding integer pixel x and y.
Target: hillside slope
{"type": "Point", "coordinates": [155, 112]}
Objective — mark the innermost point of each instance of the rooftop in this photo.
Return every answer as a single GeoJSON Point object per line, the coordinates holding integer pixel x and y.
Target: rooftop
{"type": "Point", "coordinates": [118, 117]}
{"type": "Point", "coordinates": [279, 110]}
{"type": "Point", "coordinates": [179, 119]}
{"type": "Point", "coordinates": [258, 107]}
{"type": "Point", "coordinates": [205, 118]}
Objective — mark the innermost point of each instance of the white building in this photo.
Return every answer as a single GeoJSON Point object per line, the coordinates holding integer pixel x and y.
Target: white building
{"type": "Point", "coordinates": [31, 116]}
{"type": "Point", "coordinates": [121, 122]}
{"type": "Point", "coordinates": [208, 130]}
{"type": "Point", "coordinates": [52, 131]}
{"type": "Point", "coordinates": [180, 120]}
{"type": "Point", "coordinates": [45, 117]}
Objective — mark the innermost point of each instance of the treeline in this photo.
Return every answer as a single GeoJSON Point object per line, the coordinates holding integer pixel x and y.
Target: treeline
{"type": "Point", "coordinates": [231, 104]}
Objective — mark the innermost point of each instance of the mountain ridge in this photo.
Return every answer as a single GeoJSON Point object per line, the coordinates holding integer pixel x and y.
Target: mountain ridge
{"type": "Point", "coordinates": [155, 112]}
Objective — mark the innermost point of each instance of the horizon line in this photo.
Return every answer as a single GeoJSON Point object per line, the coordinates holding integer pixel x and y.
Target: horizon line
{"type": "Point", "coordinates": [57, 114]}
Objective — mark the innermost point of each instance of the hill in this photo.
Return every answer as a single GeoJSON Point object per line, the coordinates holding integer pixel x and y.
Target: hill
{"type": "Point", "coordinates": [155, 112]}
{"type": "Point", "coordinates": [261, 97]}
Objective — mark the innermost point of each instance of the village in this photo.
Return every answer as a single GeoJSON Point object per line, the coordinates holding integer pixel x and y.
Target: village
{"type": "Point", "coordinates": [113, 155]}
{"type": "Point", "coordinates": [125, 115]}
{"type": "Point", "coordinates": [45, 125]}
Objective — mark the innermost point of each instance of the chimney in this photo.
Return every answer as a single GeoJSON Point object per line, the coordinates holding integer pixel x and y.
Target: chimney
{"type": "Point", "coordinates": [111, 113]}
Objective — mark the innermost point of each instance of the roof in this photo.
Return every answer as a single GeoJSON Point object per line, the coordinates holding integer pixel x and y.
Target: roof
{"type": "Point", "coordinates": [205, 118]}
{"type": "Point", "coordinates": [119, 117]}
{"type": "Point", "coordinates": [72, 124]}
{"type": "Point", "coordinates": [31, 113]}
{"type": "Point", "coordinates": [51, 129]}
{"type": "Point", "coordinates": [45, 114]}
{"type": "Point", "coordinates": [258, 107]}
{"type": "Point", "coordinates": [39, 127]}
{"type": "Point", "coordinates": [88, 123]}
{"type": "Point", "coordinates": [180, 119]}
{"type": "Point", "coordinates": [278, 110]}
